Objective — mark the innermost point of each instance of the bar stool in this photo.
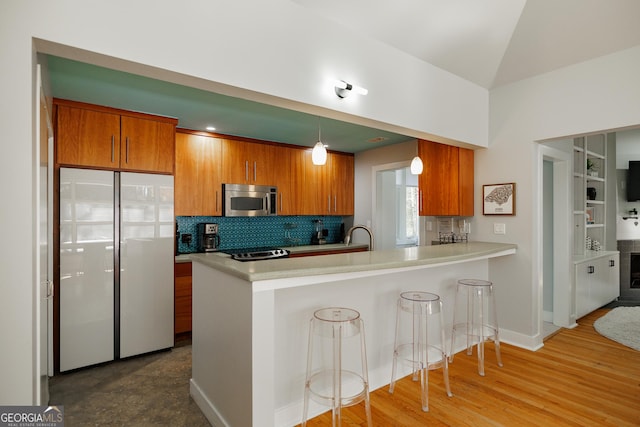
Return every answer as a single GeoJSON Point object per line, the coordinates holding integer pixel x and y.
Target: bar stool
{"type": "Point", "coordinates": [481, 321]}
{"type": "Point", "coordinates": [333, 381]}
{"type": "Point", "coordinates": [412, 342]}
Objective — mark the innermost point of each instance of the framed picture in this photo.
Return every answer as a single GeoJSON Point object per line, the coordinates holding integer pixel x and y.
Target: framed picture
{"type": "Point", "coordinates": [499, 199]}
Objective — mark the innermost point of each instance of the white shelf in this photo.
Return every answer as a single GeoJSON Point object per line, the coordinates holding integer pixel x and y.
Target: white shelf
{"type": "Point", "coordinates": [591, 150]}
{"type": "Point", "coordinates": [595, 155]}
{"type": "Point", "coordinates": [594, 225]}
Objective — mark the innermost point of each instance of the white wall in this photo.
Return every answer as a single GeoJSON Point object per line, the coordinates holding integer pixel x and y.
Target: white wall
{"type": "Point", "coordinates": [278, 53]}
{"type": "Point", "coordinates": [627, 147]}
{"type": "Point", "coordinates": [597, 95]}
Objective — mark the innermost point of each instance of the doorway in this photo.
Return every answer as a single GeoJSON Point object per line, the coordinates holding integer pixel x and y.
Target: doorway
{"type": "Point", "coordinates": [554, 246]}
{"type": "Point", "coordinates": [395, 206]}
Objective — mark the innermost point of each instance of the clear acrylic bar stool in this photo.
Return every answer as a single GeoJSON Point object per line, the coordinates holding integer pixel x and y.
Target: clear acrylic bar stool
{"type": "Point", "coordinates": [332, 379]}
{"type": "Point", "coordinates": [420, 340]}
{"type": "Point", "coordinates": [479, 322]}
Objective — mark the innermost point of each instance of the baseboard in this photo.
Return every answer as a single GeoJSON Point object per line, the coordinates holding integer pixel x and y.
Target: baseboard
{"type": "Point", "coordinates": [528, 342]}
{"type": "Point", "coordinates": [205, 405]}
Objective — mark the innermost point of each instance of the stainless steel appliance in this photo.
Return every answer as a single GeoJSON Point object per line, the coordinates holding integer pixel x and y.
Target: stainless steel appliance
{"type": "Point", "coordinates": [249, 200]}
{"type": "Point", "coordinates": [116, 265]}
{"type": "Point", "coordinates": [319, 236]}
{"type": "Point", "coordinates": [208, 237]}
{"type": "Point", "coordinates": [257, 254]}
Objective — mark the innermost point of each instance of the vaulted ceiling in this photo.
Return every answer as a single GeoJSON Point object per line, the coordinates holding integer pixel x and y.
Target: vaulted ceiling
{"type": "Point", "coordinates": [492, 42]}
{"type": "Point", "coordinates": [488, 42]}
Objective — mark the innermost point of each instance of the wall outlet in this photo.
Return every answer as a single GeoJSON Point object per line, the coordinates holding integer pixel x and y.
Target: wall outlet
{"type": "Point", "coordinates": [429, 226]}
{"type": "Point", "coordinates": [499, 228]}
{"type": "Point", "coordinates": [186, 238]}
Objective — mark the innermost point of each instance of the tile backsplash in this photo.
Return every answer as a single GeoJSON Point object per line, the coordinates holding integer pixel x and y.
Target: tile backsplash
{"type": "Point", "coordinates": [247, 232]}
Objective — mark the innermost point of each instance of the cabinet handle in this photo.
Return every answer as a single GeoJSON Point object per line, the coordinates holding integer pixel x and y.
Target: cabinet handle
{"type": "Point", "coordinates": [421, 207]}
{"type": "Point", "coordinates": [113, 148]}
{"type": "Point", "coordinates": [612, 263]}
{"type": "Point", "coordinates": [50, 289]}
{"type": "Point", "coordinates": [281, 197]}
{"type": "Point", "coordinates": [335, 203]}
{"type": "Point", "coordinates": [246, 170]}
{"type": "Point", "coordinates": [217, 202]}
{"type": "Point", "coordinates": [126, 160]}
{"type": "Point", "coordinates": [329, 204]}
{"type": "Point", "coordinates": [255, 171]}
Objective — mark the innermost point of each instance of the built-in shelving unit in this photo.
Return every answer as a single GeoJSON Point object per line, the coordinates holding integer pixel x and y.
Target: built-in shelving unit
{"type": "Point", "coordinates": [590, 208]}
{"type": "Point", "coordinates": [596, 268]}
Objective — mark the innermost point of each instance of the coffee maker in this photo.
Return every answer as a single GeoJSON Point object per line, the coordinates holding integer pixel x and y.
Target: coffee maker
{"type": "Point", "coordinates": [208, 238]}
{"type": "Point", "coordinates": [319, 236]}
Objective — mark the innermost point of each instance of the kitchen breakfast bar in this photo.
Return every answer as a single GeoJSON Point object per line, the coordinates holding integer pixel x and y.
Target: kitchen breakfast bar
{"type": "Point", "coordinates": [251, 320]}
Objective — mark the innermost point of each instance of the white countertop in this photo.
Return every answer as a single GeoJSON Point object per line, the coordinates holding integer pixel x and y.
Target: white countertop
{"type": "Point", "coordinates": [285, 268]}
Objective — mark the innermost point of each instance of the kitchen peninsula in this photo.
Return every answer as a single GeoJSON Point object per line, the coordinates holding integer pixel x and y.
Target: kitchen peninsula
{"type": "Point", "coordinates": [250, 319]}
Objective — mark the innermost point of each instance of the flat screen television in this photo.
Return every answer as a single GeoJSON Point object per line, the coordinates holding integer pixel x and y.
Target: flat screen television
{"type": "Point", "coordinates": [633, 181]}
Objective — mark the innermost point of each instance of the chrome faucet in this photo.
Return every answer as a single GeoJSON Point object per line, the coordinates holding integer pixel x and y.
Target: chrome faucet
{"type": "Point", "coordinates": [347, 238]}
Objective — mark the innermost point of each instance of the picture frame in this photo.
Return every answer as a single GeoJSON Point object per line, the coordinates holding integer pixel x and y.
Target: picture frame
{"type": "Point", "coordinates": [499, 199]}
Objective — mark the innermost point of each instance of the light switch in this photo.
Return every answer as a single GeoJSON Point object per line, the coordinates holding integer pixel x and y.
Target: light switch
{"type": "Point", "coordinates": [499, 228]}
{"type": "Point", "coordinates": [429, 226]}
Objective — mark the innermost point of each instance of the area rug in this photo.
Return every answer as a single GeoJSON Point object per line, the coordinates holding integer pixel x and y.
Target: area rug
{"type": "Point", "coordinates": [622, 324]}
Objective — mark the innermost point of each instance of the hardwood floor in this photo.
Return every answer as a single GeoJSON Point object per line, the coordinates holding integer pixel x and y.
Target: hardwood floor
{"type": "Point", "coordinates": [579, 378]}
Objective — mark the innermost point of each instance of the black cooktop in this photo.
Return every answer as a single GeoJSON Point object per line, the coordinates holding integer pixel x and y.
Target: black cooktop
{"type": "Point", "coordinates": [256, 254]}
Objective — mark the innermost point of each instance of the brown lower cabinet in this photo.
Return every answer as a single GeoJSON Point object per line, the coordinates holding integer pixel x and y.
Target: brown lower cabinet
{"type": "Point", "coordinates": [182, 295]}
{"type": "Point", "coordinates": [183, 282]}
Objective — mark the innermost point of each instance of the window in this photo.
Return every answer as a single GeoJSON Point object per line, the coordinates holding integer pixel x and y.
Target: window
{"type": "Point", "coordinates": [406, 208]}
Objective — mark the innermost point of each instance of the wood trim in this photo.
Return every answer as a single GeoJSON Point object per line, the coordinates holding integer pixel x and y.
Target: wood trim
{"type": "Point", "coordinates": [105, 109]}
{"type": "Point", "coordinates": [253, 140]}
{"type": "Point", "coordinates": [328, 252]}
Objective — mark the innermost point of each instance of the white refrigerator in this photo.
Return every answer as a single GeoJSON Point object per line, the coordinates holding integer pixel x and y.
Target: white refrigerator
{"type": "Point", "coordinates": [116, 265]}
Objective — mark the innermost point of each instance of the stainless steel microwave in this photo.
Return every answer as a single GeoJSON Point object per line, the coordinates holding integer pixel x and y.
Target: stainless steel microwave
{"type": "Point", "coordinates": [249, 200]}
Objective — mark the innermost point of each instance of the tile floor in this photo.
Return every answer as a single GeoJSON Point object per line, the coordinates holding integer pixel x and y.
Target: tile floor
{"type": "Point", "coordinates": [151, 390]}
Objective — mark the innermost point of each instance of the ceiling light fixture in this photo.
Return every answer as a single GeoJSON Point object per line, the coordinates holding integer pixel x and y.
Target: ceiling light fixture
{"type": "Point", "coordinates": [210, 128]}
{"type": "Point", "coordinates": [319, 152]}
{"type": "Point", "coordinates": [343, 89]}
{"type": "Point", "coordinates": [416, 166]}
{"type": "Point", "coordinates": [416, 163]}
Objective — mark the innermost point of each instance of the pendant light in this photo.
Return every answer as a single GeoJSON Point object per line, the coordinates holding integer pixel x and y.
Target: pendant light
{"type": "Point", "coordinates": [319, 152]}
{"type": "Point", "coordinates": [416, 166]}
{"type": "Point", "coordinates": [416, 163]}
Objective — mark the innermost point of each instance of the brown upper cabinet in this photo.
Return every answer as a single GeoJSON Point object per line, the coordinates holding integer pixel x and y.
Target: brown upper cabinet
{"type": "Point", "coordinates": [446, 183]}
{"type": "Point", "coordinates": [198, 183]}
{"type": "Point", "coordinates": [101, 137]}
{"type": "Point", "coordinates": [325, 189]}
{"type": "Point", "coordinates": [249, 162]}
{"type": "Point", "coordinates": [342, 173]}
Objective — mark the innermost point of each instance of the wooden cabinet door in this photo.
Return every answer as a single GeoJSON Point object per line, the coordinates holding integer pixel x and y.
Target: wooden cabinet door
{"type": "Point", "coordinates": [439, 184]}
{"type": "Point", "coordinates": [147, 145]}
{"type": "Point", "coordinates": [298, 188]}
{"type": "Point", "coordinates": [249, 163]}
{"type": "Point", "coordinates": [342, 193]}
{"type": "Point", "coordinates": [465, 181]}
{"type": "Point", "coordinates": [182, 297]}
{"type": "Point", "coordinates": [264, 164]}
{"type": "Point", "coordinates": [198, 186]}
{"type": "Point", "coordinates": [87, 138]}
{"type": "Point", "coordinates": [317, 200]}
{"type": "Point", "coordinates": [447, 181]}
{"type": "Point", "coordinates": [235, 164]}
{"type": "Point", "coordinates": [283, 179]}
